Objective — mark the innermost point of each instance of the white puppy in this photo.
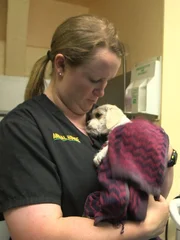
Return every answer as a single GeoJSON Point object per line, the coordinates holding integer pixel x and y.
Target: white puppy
{"type": "Point", "coordinates": [103, 120]}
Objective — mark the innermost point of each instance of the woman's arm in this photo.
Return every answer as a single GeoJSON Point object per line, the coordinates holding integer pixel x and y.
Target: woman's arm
{"type": "Point", "coordinates": [45, 222]}
{"type": "Point", "coordinates": [168, 177]}
{"type": "Point", "coordinates": [167, 182]}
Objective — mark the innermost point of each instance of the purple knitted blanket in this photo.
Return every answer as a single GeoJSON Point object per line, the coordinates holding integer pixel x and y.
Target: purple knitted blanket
{"type": "Point", "coordinates": [133, 168]}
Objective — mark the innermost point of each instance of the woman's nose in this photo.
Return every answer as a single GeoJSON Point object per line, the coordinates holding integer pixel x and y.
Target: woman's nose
{"type": "Point", "coordinates": [99, 91]}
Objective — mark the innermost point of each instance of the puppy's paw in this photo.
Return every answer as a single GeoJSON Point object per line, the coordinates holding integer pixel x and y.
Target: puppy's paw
{"type": "Point", "coordinates": [100, 155]}
{"type": "Point", "coordinates": [98, 158]}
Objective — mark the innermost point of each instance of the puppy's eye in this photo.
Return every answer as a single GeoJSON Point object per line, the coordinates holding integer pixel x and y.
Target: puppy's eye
{"type": "Point", "coordinates": [98, 115]}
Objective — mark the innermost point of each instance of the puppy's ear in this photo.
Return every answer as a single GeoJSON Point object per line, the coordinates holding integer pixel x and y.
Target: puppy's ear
{"type": "Point", "coordinates": [113, 117]}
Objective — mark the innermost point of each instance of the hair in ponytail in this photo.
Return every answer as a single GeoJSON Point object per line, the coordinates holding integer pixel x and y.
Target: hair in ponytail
{"type": "Point", "coordinates": [36, 84]}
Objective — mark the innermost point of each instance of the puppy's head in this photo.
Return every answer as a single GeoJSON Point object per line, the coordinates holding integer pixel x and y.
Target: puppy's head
{"type": "Point", "coordinates": [105, 118]}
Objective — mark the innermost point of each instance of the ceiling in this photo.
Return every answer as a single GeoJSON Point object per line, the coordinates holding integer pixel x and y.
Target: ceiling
{"type": "Point", "coordinates": [84, 3]}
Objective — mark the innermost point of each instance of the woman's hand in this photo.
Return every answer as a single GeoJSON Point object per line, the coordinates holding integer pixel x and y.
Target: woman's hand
{"type": "Point", "coordinates": [157, 216]}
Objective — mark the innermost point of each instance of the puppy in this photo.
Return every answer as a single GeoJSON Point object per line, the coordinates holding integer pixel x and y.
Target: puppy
{"type": "Point", "coordinates": [103, 120]}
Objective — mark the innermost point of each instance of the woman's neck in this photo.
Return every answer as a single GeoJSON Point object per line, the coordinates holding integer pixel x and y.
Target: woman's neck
{"type": "Point", "coordinates": [79, 120]}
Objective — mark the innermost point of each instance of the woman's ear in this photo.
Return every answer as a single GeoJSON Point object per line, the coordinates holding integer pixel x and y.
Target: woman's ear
{"type": "Point", "coordinates": [59, 63]}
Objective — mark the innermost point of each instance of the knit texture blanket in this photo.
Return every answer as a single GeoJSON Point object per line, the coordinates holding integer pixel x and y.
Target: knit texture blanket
{"type": "Point", "coordinates": [133, 168]}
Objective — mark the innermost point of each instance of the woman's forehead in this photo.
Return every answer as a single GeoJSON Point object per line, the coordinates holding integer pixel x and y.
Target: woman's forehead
{"type": "Point", "coordinates": [105, 56]}
{"type": "Point", "coordinates": [103, 61]}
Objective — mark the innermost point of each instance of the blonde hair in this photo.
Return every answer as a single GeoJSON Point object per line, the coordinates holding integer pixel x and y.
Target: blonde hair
{"type": "Point", "coordinates": [75, 38]}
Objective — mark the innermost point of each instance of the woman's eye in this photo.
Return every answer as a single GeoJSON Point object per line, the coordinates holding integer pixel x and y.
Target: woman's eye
{"type": "Point", "coordinates": [94, 81]}
{"type": "Point", "coordinates": [98, 81]}
{"type": "Point", "coordinates": [98, 115]}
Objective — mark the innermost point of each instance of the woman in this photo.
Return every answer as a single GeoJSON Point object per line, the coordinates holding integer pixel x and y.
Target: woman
{"type": "Point", "coordinates": [46, 155]}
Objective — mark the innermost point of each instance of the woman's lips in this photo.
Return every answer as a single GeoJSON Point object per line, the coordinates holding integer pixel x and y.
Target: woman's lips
{"type": "Point", "coordinates": [93, 101]}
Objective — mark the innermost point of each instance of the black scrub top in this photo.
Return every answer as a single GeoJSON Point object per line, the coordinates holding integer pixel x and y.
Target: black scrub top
{"type": "Point", "coordinates": [44, 158]}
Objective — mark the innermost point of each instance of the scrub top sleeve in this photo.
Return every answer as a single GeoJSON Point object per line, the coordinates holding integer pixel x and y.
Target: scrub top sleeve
{"type": "Point", "coordinates": [28, 174]}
